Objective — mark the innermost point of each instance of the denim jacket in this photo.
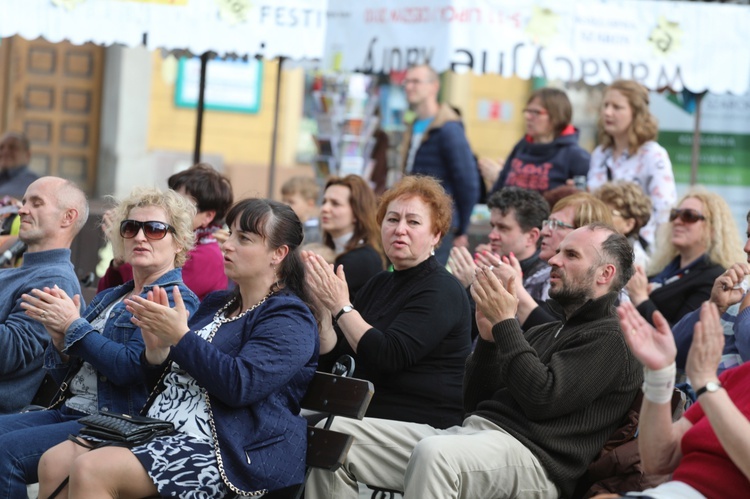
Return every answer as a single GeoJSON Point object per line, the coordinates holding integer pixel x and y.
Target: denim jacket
{"type": "Point", "coordinates": [115, 354]}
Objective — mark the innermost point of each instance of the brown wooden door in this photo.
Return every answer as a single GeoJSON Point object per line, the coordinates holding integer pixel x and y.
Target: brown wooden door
{"type": "Point", "coordinates": [52, 93]}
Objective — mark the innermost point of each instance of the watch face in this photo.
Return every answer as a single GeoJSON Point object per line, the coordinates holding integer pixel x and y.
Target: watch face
{"type": "Point", "coordinates": [348, 308]}
{"type": "Point", "coordinates": [712, 387]}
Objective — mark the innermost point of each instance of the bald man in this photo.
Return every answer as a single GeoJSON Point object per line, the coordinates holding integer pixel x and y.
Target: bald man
{"type": "Point", "coordinates": [15, 175]}
{"type": "Point", "coordinates": [53, 211]}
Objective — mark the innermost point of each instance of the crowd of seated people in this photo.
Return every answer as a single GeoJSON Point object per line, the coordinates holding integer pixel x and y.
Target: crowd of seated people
{"type": "Point", "coordinates": [501, 374]}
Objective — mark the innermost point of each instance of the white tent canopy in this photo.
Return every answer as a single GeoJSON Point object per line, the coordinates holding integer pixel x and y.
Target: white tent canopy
{"type": "Point", "coordinates": [679, 45]}
{"type": "Point", "coordinates": [290, 28]}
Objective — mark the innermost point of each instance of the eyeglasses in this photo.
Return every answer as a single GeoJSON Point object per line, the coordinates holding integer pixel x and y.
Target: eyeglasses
{"type": "Point", "coordinates": [553, 224]}
{"type": "Point", "coordinates": [534, 112]}
{"type": "Point", "coordinates": [414, 81]}
{"type": "Point", "coordinates": [152, 229]}
{"type": "Point", "coordinates": [687, 216]}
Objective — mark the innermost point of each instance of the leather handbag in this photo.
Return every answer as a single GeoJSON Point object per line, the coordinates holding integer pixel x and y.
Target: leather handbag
{"type": "Point", "coordinates": [123, 429]}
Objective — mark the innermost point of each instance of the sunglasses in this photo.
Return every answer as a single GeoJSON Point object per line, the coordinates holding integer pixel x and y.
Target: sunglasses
{"type": "Point", "coordinates": [687, 216]}
{"type": "Point", "coordinates": [152, 229]}
{"type": "Point", "coordinates": [553, 224]}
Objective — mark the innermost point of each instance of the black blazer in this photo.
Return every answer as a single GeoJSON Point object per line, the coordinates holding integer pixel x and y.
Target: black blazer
{"type": "Point", "coordinates": [684, 295]}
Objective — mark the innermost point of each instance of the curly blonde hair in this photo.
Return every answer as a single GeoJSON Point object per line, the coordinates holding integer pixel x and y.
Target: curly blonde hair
{"type": "Point", "coordinates": [629, 199]}
{"type": "Point", "coordinates": [179, 210]}
{"type": "Point", "coordinates": [722, 237]}
{"type": "Point", "coordinates": [644, 126]}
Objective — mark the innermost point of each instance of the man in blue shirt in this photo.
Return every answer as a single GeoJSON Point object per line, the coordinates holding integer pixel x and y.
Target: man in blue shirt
{"type": "Point", "coordinates": [15, 175]}
{"type": "Point", "coordinates": [53, 211]}
{"type": "Point", "coordinates": [436, 145]}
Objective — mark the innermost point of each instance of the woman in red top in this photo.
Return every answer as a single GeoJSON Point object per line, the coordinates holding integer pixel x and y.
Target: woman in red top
{"type": "Point", "coordinates": [708, 449]}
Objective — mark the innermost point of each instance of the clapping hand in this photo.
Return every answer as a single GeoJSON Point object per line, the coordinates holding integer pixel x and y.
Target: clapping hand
{"type": "Point", "coordinates": [495, 302]}
{"type": "Point", "coordinates": [161, 325]}
{"type": "Point", "coordinates": [708, 344]}
{"type": "Point", "coordinates": [653, 346]}
{"type": "Point", "coordinates": [53, 308]}
{"type": "Point", "coordinates": [727, 289]}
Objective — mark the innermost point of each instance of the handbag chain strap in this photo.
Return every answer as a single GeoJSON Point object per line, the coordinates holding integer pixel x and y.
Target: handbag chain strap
{"type": "Point", "coordinates": [218, 322]}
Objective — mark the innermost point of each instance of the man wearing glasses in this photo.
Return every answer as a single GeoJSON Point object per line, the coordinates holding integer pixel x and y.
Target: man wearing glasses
{"type": "Point", "coordinates": [53, 211]}
{"type": "Point", "coordinates": [435, 145]}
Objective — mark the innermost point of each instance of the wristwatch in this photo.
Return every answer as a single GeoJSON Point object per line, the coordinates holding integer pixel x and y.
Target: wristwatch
{"type": "Point", "coordinates": [347, 308]}
{"type": "Point", "coordinates": [711, 387]}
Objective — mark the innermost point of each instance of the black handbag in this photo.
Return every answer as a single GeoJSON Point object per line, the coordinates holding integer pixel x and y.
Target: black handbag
{"type": "Point", "coordinates": [122, 429]}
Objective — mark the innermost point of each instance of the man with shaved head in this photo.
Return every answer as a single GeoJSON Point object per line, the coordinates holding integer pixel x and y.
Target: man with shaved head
{"type": "Point", "coordinates": [53, 211]}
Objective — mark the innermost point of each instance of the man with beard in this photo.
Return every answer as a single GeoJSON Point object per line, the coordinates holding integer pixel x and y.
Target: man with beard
{"type": "Point", "coordinates": [53, 211]}
{"type": "Point", "coordinates": [539, 406]}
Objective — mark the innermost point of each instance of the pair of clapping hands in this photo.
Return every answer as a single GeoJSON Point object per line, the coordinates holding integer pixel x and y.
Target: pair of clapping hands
{"type": "Point", "coordinates": [493, 285]}
{"type": "Point", "coordinates": [161, 325]}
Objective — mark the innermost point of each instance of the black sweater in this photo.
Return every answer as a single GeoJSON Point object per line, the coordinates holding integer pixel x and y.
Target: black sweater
{"type": "Point", "coordinates": [561, 389]}
{"type": "Point", "coordinates": [360, 264]}
{"type": "Point", "coordinates": [417, 347]}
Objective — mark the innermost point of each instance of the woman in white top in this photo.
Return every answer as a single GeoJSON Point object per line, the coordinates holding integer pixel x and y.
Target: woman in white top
{"type": "Point", "coordinates": [627, 150]}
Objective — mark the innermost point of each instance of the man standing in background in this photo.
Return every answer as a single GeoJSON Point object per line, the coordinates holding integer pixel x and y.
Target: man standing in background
{"type": "Point", "coordinates": [436, 145]}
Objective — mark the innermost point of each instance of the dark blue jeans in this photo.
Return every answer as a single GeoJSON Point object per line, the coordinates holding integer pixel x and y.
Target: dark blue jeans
{"type": "Point", "coordinates": [23, 440]}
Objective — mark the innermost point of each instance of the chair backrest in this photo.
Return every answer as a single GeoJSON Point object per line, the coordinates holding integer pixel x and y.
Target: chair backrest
{"type": "Point", "coordinates": [332, 395]}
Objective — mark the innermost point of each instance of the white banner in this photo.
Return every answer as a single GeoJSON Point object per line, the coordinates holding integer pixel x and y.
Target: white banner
{"type": "Point", "coordinates": [679, 45]}
{"type": "Point", "coordinates": [270, 28]}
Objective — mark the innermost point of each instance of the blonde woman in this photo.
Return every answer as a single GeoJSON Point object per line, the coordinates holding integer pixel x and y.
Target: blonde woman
{"type": "Point", "coordinates": [700, 241]}
{"type": "Point", "coordinates": [631, 211]}
{"type": "Point", "coordinates": [628, 150]}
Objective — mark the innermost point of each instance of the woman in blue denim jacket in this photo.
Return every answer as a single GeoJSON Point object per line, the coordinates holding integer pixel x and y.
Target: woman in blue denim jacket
{"type": "Point", "coordinates": [232, 379]}
{"type": "Point", "coordinates": [103, 347]}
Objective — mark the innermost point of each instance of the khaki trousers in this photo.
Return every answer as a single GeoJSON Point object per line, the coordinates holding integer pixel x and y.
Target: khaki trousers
{"type": "Point", "coordinates": [478, 460]}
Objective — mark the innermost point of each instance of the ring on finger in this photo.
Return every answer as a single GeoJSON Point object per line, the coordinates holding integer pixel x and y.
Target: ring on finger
{"type": "Point", "coordinates": [491, 267]}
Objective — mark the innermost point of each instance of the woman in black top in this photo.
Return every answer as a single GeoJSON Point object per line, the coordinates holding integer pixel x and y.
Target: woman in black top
{"type": "Point", "coordinates": [347, 218]}
{"type": "Point", "coordinates": [409, 330]}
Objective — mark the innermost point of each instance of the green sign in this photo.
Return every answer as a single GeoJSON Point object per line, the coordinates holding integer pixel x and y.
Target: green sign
{"type": "Point", "coordinates": [724, 157]}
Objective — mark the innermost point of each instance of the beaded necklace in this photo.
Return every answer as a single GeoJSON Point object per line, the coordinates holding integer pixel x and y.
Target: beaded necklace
{"type": "Point", "coordinates": [220, 321]}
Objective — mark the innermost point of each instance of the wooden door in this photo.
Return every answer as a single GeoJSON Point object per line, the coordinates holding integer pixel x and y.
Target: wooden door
{"type": "Point", "coordinates": [52, 93]}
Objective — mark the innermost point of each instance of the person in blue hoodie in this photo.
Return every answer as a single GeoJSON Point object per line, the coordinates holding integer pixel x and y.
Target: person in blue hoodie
{"type": "Point", "coordinates": [549, 154]}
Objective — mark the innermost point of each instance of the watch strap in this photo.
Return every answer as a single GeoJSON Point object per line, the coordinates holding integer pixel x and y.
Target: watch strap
{"type": "Point", "coordinates": [703, 390]}
{"type": "Point", "coordinates": [345, 309]}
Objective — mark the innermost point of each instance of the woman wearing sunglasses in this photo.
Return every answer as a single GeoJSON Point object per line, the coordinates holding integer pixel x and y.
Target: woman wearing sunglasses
{"type": "Point", "coordinates": [549, 154]}
{"type": "Point", "coordinates": [232, 378]}
{"type": "Point", "coordinates": [99, 352]}
{"type": "Point", "coordinates": [700, 241]}
{"type": "Point", "coordinates": [203, 272]}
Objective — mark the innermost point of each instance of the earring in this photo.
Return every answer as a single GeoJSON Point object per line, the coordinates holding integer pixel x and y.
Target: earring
{"type": "Point", "coordinates": [432, 252]}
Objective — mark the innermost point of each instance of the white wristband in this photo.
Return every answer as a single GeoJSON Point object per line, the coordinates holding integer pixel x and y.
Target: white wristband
{"type": "Point", "coordinates": [658, 385]}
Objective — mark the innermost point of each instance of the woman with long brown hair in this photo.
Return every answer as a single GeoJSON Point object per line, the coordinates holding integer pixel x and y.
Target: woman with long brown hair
{"type": "Point", "coordinates": [628, 150]}
{"type": "Point", "coordinates": [347, 218]}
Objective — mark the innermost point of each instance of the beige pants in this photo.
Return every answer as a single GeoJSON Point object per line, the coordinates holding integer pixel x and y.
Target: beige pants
{"type": "Point", "coordinates": [478, 460]}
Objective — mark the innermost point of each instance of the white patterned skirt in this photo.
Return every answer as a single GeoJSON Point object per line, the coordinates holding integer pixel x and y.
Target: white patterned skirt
{"type": "Point", "coordinates": [182, 466]}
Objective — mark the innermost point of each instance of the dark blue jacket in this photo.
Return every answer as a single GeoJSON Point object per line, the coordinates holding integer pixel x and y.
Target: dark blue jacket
{"type": "Point", "coordinates": [256, 370]}
{"type": "Point", "coordinates": [445, 154]}
{"type": "Point", "coordinates": [116, 352]}
{"type": "Point", "coordinates": [542, 167]}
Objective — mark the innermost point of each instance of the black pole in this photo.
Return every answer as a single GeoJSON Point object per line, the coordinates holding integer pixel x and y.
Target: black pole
{"type": "Point", "coordinates": [275, 132]}
{"type": "Point", "coordinates": [199, 110]}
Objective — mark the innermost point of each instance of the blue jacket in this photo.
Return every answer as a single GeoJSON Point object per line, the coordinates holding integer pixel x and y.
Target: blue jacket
{"type": "Point", "coordinates": [23, 339]}
{"type": "Point", "coordinates": [256, 370]}
{"type": "Point", "coordinates": [445, 154]}
{"type": "Point", "coordinates": [115, 353]}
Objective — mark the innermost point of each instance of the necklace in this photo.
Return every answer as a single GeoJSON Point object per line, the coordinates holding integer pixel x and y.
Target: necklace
{"type": "Point", "coordinates": [220, 321]}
